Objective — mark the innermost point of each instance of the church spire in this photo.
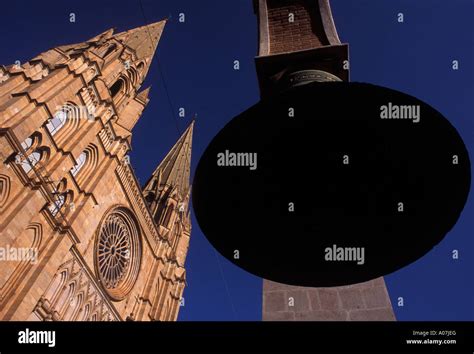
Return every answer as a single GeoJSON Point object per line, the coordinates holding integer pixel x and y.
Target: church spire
{"type": "Point", "coordinates": [142, 41]}
{"type": "Point", "coordinates": [102, 36]}
{"type": "Point", "coordinates": [171, 177]}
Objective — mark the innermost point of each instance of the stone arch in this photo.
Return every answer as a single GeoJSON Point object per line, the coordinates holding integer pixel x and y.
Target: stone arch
{"type": "Point", "coordinates": [62, 185]}
{"type": "Point", "coordinates": [58, 282]}
{"type": "Point", "coordinates": [30, 152]}
{"type": "Point", "coordinates": [80, 162]}
{"type": "Point", "coordinates": [91, 162]}
{"type": "Point", "coordinates": [63, 301]}
{"type": "Point", "coordinates": [40, 155]}
{"type": "Point", "coordinates": [124, 85]}
{"type": "Point", "coordinates": [74, 114]}
{"type": "Point", "coordinates": [134, 76]}
{"type": "Point", "coordinates": [84, 314]}
{"type": "Point", "coordinates": [109, 49]}
{"type": "Point", "coordinates": [45, 153]}
{"type": "Point", "coordinates": [63, 197]}
{"type": "Point", "coordinates": [4, 189]}
{"type": "Point", "coordinates": [119, 89]}
{"type": "Point", "coordinates": [75, 304]}
{"type": "Point", "coordinates": [32, 142]}
{"type": "Point", "coordinates": [27, 248]}
{"type": "Point", "coordinates": [168, 215]}
{"type": "Point", "coordinates": [175, 236]}
{"type": "Point", "coordinates": [150, 196]}
{"type": "Point", "coordinates": [141, 68]}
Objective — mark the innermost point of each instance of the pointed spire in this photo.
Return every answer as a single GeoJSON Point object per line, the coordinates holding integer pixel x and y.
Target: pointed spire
{"type": "Point", "coordinates": [102, 36]}
{"type": "Point", "coordinates": [82, 46]}
{"type": "Point", "coordinates": [143, 40]}
{"type": "Point", "coordinates": [143, 95]}
{"type": "Point", "coordinates": [174, 170]}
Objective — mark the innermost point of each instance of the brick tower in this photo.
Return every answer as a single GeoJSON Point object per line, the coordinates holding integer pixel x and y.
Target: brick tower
{"type": "Point", "coordinates": [99, 248]}
{"type": "Point", "coordinates": [298, 44]}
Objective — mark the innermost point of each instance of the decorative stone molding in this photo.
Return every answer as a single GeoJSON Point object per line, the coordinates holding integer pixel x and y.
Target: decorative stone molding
{"type": "Point", "coordinates": [131, 186]}
{"type": "Point", "coordinates": [73, 295]}
{"type": "Point", "coordinates": [4, 189]}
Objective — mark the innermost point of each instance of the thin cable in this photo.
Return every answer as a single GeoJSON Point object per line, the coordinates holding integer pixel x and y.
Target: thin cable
{"type": "Point", "coordinates": [225, 283]}
{"type": "Point", "coordinates": [165, 86]}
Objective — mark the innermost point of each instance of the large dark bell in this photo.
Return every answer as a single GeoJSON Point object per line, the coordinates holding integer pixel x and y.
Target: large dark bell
{"type": "Point", "coordinates": [343, 188]}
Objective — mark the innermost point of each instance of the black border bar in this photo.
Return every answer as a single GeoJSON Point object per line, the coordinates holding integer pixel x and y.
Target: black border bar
{"type": "Point", "coordinates": [136, 337]}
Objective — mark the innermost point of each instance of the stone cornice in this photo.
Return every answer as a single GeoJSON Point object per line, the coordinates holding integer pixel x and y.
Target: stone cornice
{"type": "Point", "coordinates": [135, 196]}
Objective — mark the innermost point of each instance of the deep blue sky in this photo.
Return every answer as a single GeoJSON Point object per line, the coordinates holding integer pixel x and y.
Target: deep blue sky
{"type": "Point", "coordinates": [196, 59]}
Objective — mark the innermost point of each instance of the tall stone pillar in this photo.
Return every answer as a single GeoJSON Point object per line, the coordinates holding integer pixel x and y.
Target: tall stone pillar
{"type": "Point", "coordinates": [298, 44]}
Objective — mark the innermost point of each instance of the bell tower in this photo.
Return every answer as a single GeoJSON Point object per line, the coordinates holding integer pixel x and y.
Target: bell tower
{"type": "Point", "coordinates": [299, 44]}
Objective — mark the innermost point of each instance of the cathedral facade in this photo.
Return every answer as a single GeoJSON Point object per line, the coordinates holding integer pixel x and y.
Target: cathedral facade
{"type": "Point", "coordinates": [100, 247]}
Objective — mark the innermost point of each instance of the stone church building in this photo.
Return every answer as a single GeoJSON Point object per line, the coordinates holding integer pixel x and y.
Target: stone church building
{"type": "Point", "coordinates": [102, 247]}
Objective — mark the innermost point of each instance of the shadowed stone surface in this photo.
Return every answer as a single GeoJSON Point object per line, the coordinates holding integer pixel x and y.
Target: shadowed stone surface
{"type": "Point", "coordinates": [368, 301]}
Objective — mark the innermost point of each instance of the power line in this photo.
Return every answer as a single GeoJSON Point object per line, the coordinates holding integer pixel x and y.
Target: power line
{"type": "Point", "coordinates": [170, 103]}
{"type": "Point", "coordinates": [165, 86]}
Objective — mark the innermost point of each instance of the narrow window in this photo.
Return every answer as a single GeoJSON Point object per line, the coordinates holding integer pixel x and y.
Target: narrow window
{"type": "Point", "coordinates": [110, 49]}
{"type": "Point", "coordinates": [80, 162]}
{"type": "Point", "coordinates": [57, 122]}
{"type": "Point", "coordinates": [116, 87]}
{"type": "Point", "coordinates": [30, 161]}
{"type": "Point", "coordinates": [58, 204]}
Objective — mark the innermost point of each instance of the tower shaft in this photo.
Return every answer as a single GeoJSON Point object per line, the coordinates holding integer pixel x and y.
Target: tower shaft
{"type": "Point", "coordinates": [298, 44]}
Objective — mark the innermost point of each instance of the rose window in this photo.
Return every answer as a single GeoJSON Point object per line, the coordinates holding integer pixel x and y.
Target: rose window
{"type": "Point", "coordinates": [118, 253]}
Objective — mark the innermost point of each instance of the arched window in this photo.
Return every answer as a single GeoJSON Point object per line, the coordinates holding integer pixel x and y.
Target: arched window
{"type": "Point", "coordinates": [57, 122]}
{"type": "Point", "coordinates": [75, 304]}
{"type": "Point", "coordinates": [30, 161]}
{"type": "Point", "coordinates": [150, 197]}
{"type": "Point", "coordinates": [85, 167]}
{"type": "Point", "coordinates": [81, 160]}
{"type": "Point", "coordinates": [176, 236]}
{"type": "Point", "coordinates": [61, 196]}
{"type": "Point", "coordinates": [58, 204]}
{"type": "Point", "coordinates": [62, 303]}
{"type": "Point", "coordinates": [15, 272]}
{"type": "Point", "coordinates": [85, 313]}
{"type": "Point", "coordinates": [168, 215]}
{"type": "Point", "coordinates": [140, 67]}
{"type": "Point", "coordinates": [31, 154]}
{"type": "Point", "coordinates": [4, 189]}
{"type": "Point", "coordinates": [116, 88]}
{"type": "Point", "coordinates": [110, 49]}
{"type": "Point", "coordinates": [54, 289]}
{"type": "Point", "coordinates": [26, 145]}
